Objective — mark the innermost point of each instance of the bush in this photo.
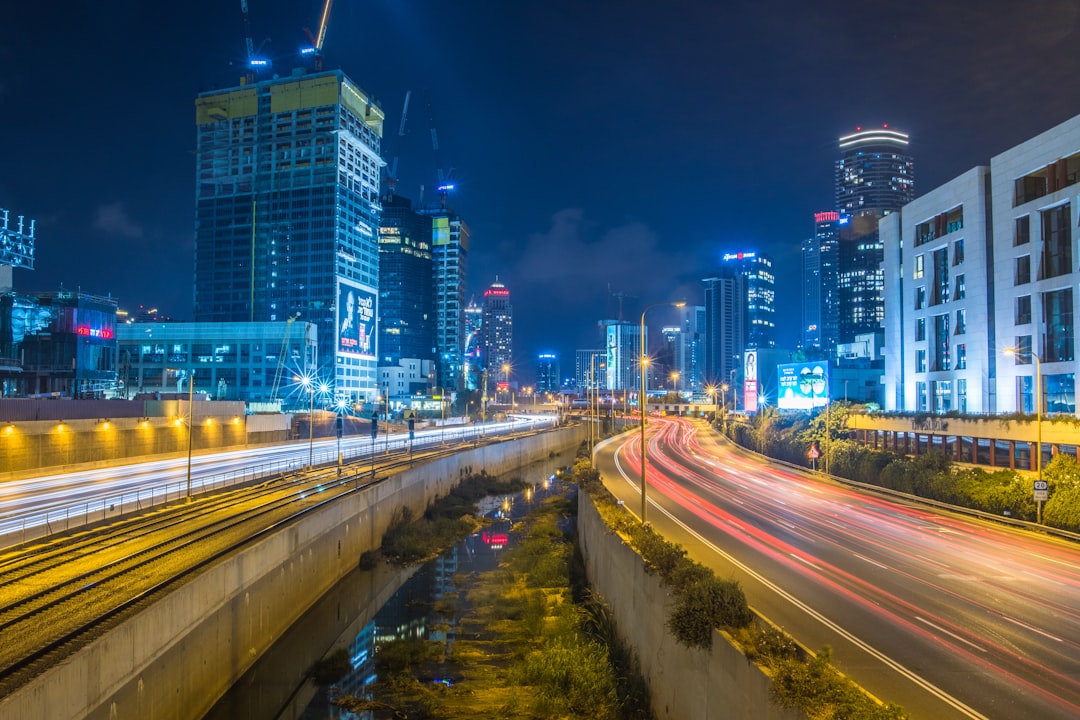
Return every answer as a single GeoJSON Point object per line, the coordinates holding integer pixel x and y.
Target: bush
{"type": "Point", "coordinates": [706, 604]}
{"type": "Point", "coordinates": [331, 668]}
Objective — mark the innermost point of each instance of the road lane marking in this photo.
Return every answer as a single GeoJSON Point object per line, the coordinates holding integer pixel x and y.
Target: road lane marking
{"type": "Point", "coordinates": [1024, 625]}
{"type": "Point", "coordinates": [950, 634]}
{"type": "Point", "coordinates": [917, 679]}
{"type": "Point", "coordinates": [872, 562]}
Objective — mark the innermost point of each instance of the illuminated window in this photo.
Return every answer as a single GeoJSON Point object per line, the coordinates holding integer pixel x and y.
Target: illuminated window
{"type": "Point", "coordinates": [919, 266]}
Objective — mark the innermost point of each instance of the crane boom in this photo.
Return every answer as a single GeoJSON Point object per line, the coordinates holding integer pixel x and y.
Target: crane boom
{"type": "Point", "coordinates": [323, 23]}
{"type": "Point", "coordinates": [248, 44]}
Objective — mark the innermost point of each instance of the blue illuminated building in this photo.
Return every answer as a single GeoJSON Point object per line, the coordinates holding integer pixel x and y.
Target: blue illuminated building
{"type": "Point", "coordinates": [406, 303]}
{"type": "Point", "coordinates": [287, 216]}
{"type": "Point", "coordinates": [547, 373]}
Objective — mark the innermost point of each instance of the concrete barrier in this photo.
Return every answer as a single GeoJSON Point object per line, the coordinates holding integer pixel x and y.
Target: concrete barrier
{"type": "Point", "coordinates": [685, 683]}
{"type": "Point", "coordinates": [178, 656]}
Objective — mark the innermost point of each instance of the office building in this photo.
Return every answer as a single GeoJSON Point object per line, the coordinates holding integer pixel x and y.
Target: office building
{"type": "Point", "coordinates": [590, 367]}
{"type": "Point", "coordinates": [450, 251]}
{"type": "Point", "coordinates": [548, 378]}
{"type": "Point", "coordinates": [287, 216]}
{"type": "Point", "coordinates": [623, 343]}
{"type": "Point", "coordinates": [760, 300]}
{"type": "Point", "coordinates": [406, 306]}
{"type": "Point", "coordinates": [253, 362]}
{"type": "Point", "coordinates": [875, 176]}
{"type": "Point", "coordinates": [725, 327]}
{"type": "Point", "coordinates": [983, 263]}
{"type": "Point", "coordinates": [58, 344]}
{"type": "Point", "coordinates": [497, 327]}
{"type": "Point", "coordinates": [821, 288]}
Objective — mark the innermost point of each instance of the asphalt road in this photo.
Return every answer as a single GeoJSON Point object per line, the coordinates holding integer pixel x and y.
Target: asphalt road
{"type": "Point", "coordinates": [945, 615]}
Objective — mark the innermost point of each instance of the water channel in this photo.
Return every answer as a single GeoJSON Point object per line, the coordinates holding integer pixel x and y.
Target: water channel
{"type": "Point", "coordinates": [368, 607]}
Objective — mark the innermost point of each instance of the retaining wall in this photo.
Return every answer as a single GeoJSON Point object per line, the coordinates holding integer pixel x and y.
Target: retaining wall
{"type": "Point", "coordinates": [174, 659]}
{"type": "Point", "coordinates": [685, 683]}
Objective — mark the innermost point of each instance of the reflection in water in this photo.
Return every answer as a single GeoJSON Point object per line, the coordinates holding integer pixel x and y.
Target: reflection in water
{"type": "Point", "coordinates": [413, 612]}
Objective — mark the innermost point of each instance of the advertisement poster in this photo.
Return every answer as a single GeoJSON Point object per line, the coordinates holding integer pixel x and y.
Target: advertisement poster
{"type": "Point", "coordinates": [803, 386]}
{"type": "Point", "coordinates": [750, 381]}
{"type": "Point", "coordinates": [355, 319]}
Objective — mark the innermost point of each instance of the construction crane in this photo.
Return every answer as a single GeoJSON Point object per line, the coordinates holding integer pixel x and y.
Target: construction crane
{"type": "Point", "coordinates": [446, 179]}
{"type": "Point", "coordinates": [391, 172]}
{"type": "Point", "coordinates": [317, 41]}
{"type": "Point", "coordinates": [255, 63]}
{"type": "Point", "coordinates": [281, 357]}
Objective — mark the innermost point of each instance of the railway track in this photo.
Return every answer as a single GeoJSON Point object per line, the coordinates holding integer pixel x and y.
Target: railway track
{"type": "Point", "coordinates": [59, 594]}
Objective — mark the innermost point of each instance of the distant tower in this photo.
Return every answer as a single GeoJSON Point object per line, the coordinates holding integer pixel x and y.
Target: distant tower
{"type": "Point", "coordinates": [473, 362]}
{"type": "Point", "coordinates": [875, 176]}
{"type": "Point", "coordinates": [547, 373]}
{"type": "Point", "coordinates": [820, 265]}
{"type": "Point", "coordinates": [497, 326]}
{"type": "Point", "coordinates": [725, 327]}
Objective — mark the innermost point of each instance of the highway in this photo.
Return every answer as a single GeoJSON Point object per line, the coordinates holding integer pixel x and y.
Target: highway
{"type": "Point", "coordinates": [70, 497]}
{"type": "Point", "coordinates": [945, 615]}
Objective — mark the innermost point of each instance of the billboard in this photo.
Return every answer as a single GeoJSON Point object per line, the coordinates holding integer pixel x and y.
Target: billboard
{"type": "Point", "coordinates": [750, 382]}
{"type": "Point", "coordinates": [802, 386]}
{"type": "Point", "coordinates": [355, 319]}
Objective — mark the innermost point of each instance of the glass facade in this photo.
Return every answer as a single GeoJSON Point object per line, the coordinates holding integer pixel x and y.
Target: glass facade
{"type": "Point", "coordinates": [287, 213]}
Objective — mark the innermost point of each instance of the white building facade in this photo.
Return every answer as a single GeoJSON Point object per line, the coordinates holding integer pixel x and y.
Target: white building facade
{"type": "Point", "coordinates": [983, 264]}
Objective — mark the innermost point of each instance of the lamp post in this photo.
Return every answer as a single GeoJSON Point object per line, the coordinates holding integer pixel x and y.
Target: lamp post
{"type": "Point", "coordinates": [1015, 352]}
{"type": "Point", "coordinates": [341, 406]}
{"type": "Point", "coordinates": [310, 385]}
{"type": "Point", "coordinates": [190, 428]}
{"type": "Point", "coordinates": [641, 399]}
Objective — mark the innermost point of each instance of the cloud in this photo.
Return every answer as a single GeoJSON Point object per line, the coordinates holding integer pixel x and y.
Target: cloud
{"type": "Point", "coordinates": [114, 219]}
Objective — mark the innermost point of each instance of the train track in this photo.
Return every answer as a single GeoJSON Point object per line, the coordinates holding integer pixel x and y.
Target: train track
{"type": "Point", "coordinates": [58, 595]}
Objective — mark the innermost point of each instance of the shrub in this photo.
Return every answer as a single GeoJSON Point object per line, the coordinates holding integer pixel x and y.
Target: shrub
{"type": "Point", "coordinates": [331, 668]}
{"type": "Point", "coordinates": [705, 604]}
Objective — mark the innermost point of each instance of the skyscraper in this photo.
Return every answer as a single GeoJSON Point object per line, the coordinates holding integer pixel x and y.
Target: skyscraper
{"type": "Point", "coordinates": [875, 176]}
{"type": "Point", "coordinates": [473, 363]}
{"type": "Point", "coordinates": [623, 343]}
{"type": "Point", "coordinates": [287, 215]}
{"type": "Point", "coordinates": [406, 306]}
{"type": "Point", "coordinates": [725, 326]}
{"type": "Point", "coordinates": [497, 327]}
{"type": "Point", "coordinates": [821, 302]}
{"type": "Point", "coordinates": [450, 251]}
{"type": "Point", "coordinates": [760, 301]}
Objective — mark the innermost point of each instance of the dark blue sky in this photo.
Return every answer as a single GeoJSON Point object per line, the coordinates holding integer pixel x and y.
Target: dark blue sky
{"type": "Point", "coordinates": [622, 145]}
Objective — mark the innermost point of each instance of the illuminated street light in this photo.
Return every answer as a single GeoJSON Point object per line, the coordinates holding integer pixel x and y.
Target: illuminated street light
{"type": "Point", "coordinates": [1015, 352]}
{"type": "Point", "coordinates": [641, 399]}
{"type": "Point", "coordinates": [675, 383]}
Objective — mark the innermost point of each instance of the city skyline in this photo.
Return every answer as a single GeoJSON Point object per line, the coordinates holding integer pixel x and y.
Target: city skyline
{"type": "Point", "coordinates": [600, 166]}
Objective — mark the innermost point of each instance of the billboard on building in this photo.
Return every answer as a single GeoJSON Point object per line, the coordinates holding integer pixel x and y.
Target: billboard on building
{"type": "Point", "coordinates": [750, 381]}
{"type": "Point", "coordinates": [355, 319]}
{"type": "Point", "coordinates": [802, 386]}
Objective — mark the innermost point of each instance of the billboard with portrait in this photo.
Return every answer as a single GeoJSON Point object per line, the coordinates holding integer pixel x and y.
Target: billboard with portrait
{"type": "Point", "coordinates": [750, 381]}
{"type": "Point", "coordinates": [355, 319]}
{"type": "Point", "coordinates": [802, 386]}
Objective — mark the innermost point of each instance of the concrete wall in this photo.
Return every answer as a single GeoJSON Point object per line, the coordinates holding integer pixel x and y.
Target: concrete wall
{"type": "Point", "coordinates": [686, 684]}
{"type": "Point", "coordinates": [178, 656]}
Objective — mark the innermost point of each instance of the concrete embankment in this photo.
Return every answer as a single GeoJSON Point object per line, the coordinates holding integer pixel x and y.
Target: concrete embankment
{"type": "Point", "coordinates": [685, 683]}
{"type": "Point", "coordinates": [178, 656]}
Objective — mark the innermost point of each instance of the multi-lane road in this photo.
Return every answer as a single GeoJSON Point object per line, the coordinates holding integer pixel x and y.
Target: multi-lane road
{"type": "Point", "coordinates": [945, 615]}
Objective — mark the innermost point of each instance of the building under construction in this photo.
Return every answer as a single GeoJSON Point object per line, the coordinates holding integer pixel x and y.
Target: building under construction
{"type": "Point", "coordinates": [287, 216]}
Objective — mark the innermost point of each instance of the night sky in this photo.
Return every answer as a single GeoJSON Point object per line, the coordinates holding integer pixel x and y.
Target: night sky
{"type": "Point", "coordinates": [599, 146]}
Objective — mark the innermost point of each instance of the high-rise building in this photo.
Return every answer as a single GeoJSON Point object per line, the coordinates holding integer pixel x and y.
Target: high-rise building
{"type": "Point", "coordinates": [760, 300]}
{"type": "Point", "coordinates": [498, 326]}
{"type": "Point", "coordinates": [725, 327]}
{"type": "Point", "coordinates": [548, 379]}
{"type": "Point", "coordinates": [590, 368]}
{"type": "Point", "coordinates": [473, 363]}
{"type": "Point", "coordinates": [287, 215]}
{"type": "Point", "coordinates": [690, 353]}
{"type": "Point", "coordinates": [821, 288]}
{"type": "Point", "coordinates": [450, 251]}
{"type": "Point", "coordinates": [406, 306]}
{"type": "Point", "coordinates": [875, 176]}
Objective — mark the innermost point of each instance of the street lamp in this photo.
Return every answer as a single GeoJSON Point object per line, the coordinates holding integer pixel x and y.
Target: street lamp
{"type": "Point", "coordinates": [641, 398]}
{"type": "Point", "coordinates": [310, 385]}
{"type": "Point", "coordinates": [1016, 352]}
{"type": "Point", "coordinates": [190, 427]}
{"type": "Point", "coordinates": [342, 406]}
{"type": "Point", "coordinates": [675, 382]}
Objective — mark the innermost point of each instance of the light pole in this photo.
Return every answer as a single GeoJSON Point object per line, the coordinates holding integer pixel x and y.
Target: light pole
{"type": "Point", "coordinates": [1015, 352]}
{"type": "Point", "coordinates": [190, 428]}
{"type": "Point", "coordinates": [675, 384]}
{"type": "Point", "coordinates": [641, 399]}
{"type": "Point", "coordinates": [310, 385]}
{"type": "Point", "coordinates": [341, 406]}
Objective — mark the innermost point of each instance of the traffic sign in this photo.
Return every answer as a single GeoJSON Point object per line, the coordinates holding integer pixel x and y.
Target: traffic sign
{"type": "Point", "coordinates": [814, 453]}
{"type": "Point", "coordinates": [1042, 491]}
